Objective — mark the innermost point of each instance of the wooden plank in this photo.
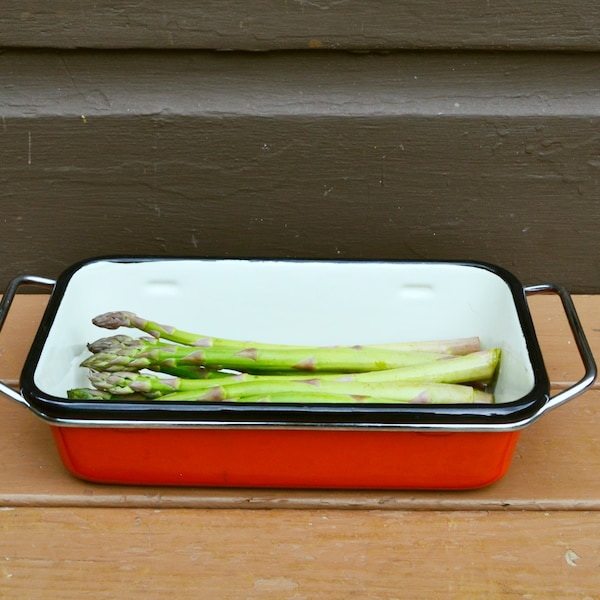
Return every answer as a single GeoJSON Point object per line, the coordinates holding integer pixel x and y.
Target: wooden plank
{"type": "Point", "coordinates": [555, 337]}
{"type": "Point", "coordinates": [268, 24]}
{"type": "Point", "coordinates": [555, 467]}
{"type": "Point", "coordinates": [106, 553]}
{"type": "Point", "coordinates": [558, 457]}
{"type": "Point", "coordinates": [486, 156]}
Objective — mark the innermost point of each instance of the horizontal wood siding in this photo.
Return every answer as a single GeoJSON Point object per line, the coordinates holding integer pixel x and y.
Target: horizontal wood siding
{"type": "Point", "coordinates": [485, 156]}
{"type": "Point", "coordinates": [302, 24]}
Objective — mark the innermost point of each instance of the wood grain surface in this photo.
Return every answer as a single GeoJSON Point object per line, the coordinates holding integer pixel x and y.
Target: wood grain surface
{"type": "Point", "coordinates": [533, 535]}
{"type": "Point", "coordinates": [558, 457]}
{"type": "Point", "coordinates": [302, 24]}
{"type": "Point", "coordinates": [289, 555]}
{"type": "Point", "coordinates": [484, 156]}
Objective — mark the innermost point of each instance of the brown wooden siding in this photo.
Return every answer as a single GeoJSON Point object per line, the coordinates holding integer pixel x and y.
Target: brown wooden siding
{"type": "Point", "coordinates": [392, 130]}
{"type": "Point", "coordinates": [303, 24]}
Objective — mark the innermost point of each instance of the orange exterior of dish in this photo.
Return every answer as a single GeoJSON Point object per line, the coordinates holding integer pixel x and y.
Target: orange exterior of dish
{"type": "Point", "coordinates": [301, 458]}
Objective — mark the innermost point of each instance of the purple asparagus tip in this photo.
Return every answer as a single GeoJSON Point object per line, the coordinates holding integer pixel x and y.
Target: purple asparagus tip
{"type": "Point", "coordinates": [114, 320]}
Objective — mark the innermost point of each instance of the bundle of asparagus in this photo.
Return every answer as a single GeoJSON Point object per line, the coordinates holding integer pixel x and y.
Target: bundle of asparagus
{"type": "Point", "coordinates": [170, 364]}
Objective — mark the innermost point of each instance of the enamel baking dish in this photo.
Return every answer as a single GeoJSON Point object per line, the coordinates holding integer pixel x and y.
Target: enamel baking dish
{"type": "Point", "coordinates": [404, 446]}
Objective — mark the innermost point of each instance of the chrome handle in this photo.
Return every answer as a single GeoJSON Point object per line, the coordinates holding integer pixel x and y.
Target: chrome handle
{"type": "Point", "coordinates": [5, 305]}
{"type": "Point", "coordinates": [582, 345]}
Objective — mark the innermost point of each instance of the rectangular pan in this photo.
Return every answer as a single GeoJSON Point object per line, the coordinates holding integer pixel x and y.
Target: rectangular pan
{"type": "Point", "coordinates": [417, 446]}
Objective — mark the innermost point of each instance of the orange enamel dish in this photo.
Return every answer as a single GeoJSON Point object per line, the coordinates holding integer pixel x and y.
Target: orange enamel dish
{"type": "Point", "coordinates": [298, 444]}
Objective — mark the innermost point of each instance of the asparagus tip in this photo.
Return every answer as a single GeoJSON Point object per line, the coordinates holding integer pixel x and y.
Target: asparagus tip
{"type": "Point", "coordinates": [114, 319]}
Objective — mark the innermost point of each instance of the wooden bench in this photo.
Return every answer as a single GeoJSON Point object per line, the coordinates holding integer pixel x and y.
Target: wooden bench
{"type": "Point", "coordinates": [534, 534]}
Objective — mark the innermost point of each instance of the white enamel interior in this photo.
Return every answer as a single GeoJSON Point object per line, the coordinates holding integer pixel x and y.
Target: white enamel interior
{"type": "Point", "coordinates": [290, 302]}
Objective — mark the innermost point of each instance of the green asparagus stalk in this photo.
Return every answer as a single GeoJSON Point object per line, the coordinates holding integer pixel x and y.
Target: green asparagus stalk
{"type": "Point", "coordinates": [189, 371]}
{"type": "Point", "coordinates": [408, 394]}
{"type": "Point", "coordinates": [89, 394]}
{"type": "Point", "coordinates": [400, 392]}
{"type": "Point", "coordinates": [107, 344]}
{"type": "Point", "coordinates": [454, 347]}
{"type": "Point", "coordinates": [257, 360]}
{"type": "Point", "coordinates": [476, 366]}
{"type": "Point", "coordinates": [473, 396]}
{"type": "Point", "coordinates": [116, 319]}
{"type": "Point", "coordinates": [95, 394]}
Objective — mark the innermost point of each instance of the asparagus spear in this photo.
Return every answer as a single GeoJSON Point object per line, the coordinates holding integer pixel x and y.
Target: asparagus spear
{"type": "Point", "coordinates": [456, 347]}
{"type": "Point", "coordinates": [259, 360]}
{"type": "Point", "coordinates": [411, 394]}
{"type": "Point", "coordinates": [107, 344]}
{"type": "Point", "coordinates": [123, 318]}
{"type": "Point", "coordinates": [476, 397]}
{"type": "Point", "coordinates": [89, 394]}
{"type": "Point", "coordinates": [95, 394]}
{"type": "Point", "coordinates": [476, 366]}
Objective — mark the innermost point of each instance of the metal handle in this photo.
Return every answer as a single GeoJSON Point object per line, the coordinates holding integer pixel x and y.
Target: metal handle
{"type": "Point", "coordinates": [582, 345]}
{"type": "Point", "coordinates": [5, 305]}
